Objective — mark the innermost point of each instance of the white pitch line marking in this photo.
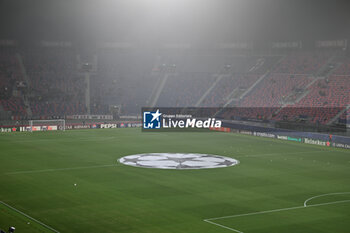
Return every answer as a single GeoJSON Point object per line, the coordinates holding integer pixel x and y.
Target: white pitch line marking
{"type": "Point", "coordinates": [31, 218]}
{"type": "Point", "coordinates": [256, 213]}
{"type": "Point", "coordinates": [277, 210]}
{"type": "Point", "coordinates": [59, 169]}
{"type": "Point", "coordinates": [323, 195]}
{"type": "Point", "coordinates": [210, 220]}
{"type": "Point", "coordinates": [228, 228]}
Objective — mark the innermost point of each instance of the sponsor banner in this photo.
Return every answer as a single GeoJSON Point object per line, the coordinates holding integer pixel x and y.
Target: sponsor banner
{"type": "Point", "coordinates": [81, 126]}
{"type": "Point", "coordinates": [90, 117]}
{"type": "Point", "coordinates": [24, 128]}
{"type": "Point", "coordinates": [286, 45]}
{"type": "Point", "coordinates": [281, 137]}
{"type": "Point", "coordinates": [49, 127]}
{"type": "Point", "coordinates": [108, 126]}
{"type": "Point", "coordinates": [331, 43]}
{"type": "Point", "coordinates": [316, 142]}
{"type": "Point", "coordinates": [305, 137]}
{"type": "Point", "coordinates": [104, 125]}
{"type": "Point", "coordinates": [263, 134]}
{"type": "Point", "coordinates": [6, 130]}
{"type": "Point", "coordinates": [68, 127]}
{"type": "Point", "coordinates": [135, 125]}
{"type": "Point", "coordinates": [130, 117]}
{"type": "Point", "coordinates": [294, 139]}
{"type": "Point", "coordinates": [245, 132]}
{"type": "Point", "coordinates": [38, 128]}
{"type": "Point", "coordinates": [341, 145]}
{"type": "Point", "coordinates": [34, 128]}
{"type": "Point", "coordinates": [221, 129]}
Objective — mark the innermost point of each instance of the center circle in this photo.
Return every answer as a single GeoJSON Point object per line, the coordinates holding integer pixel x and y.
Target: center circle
{"type": "Point", "coordinates": [178, 161]}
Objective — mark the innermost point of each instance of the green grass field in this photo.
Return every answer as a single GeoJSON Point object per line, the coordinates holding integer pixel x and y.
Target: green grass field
{"type": "Point", "coordinates": [39, 170]}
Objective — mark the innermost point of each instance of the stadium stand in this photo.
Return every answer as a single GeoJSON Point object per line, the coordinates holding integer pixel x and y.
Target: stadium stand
{"type": "Point", "coordinates": [227, 88]}
{"type": "Point", "coordinates": [290, 79]}
{"type": "Point", "coordinates": [192, 86]}
{"type": "Point", "coordinates": [325, 99]}
{"type": "Point", "coordinates": [319, 104]}
{"type": "Point", "coordinates": [344, 68]}
{"type": "Point", "coordinates": [11, 82]}
{"type": "Point", "coordinates": [130, 79]}
{"type": "Point", "coordinates": [331, 92]}
{"type": "Point", "coordinates": [55, 88]}
{"type": "Point", "coordinates": [274, 89]}
{"type": "Point", "coordinates": [302, 62]}
{"type": "Point", "coordinates": [118, 73]}
{"type": "Point", "coordinates": [15, 105]}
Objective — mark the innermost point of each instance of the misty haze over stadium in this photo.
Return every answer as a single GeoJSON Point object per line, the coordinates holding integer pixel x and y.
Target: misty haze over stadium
{"type": "Point", "coordinates": [170, 54]}
{"type": "Point", "coordinates": [242, 86]}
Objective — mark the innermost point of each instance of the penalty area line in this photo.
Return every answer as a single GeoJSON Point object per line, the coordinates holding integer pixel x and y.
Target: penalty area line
{"type": "Point", "coordinates": [210, 220]}
{"type": "Point", "coordinates": [323, 195]}
{"type": "Point", "coordinates": [31, 218]}
{"type": "Point", "coordinates": [59, 169]}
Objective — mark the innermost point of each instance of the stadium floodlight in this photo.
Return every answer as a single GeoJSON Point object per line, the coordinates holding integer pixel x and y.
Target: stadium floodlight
{"type": "Point", "coordinates": [43, 125]}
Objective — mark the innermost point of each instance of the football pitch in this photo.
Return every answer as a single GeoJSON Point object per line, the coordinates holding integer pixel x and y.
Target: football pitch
{"type": "Point", "coordinates": [72, 182]}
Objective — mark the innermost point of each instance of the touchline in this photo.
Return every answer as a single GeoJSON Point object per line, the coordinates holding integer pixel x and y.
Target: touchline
{"type": "Point", "coordinates": [191, 123]}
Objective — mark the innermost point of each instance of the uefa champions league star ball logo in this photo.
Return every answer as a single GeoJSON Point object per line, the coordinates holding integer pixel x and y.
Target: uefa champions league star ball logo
{"type": "Point", "coordinates": [178, 161]}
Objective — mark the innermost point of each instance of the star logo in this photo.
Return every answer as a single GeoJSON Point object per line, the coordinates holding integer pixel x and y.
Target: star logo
{"type": "Point", "coordinates": [152, 120]}
{"type": "Point", "coordinates": [156, 115]}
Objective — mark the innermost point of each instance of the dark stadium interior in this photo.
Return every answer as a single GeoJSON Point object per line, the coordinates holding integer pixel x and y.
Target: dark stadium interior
{"type": "Point", "coordinates": [270, 68]}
